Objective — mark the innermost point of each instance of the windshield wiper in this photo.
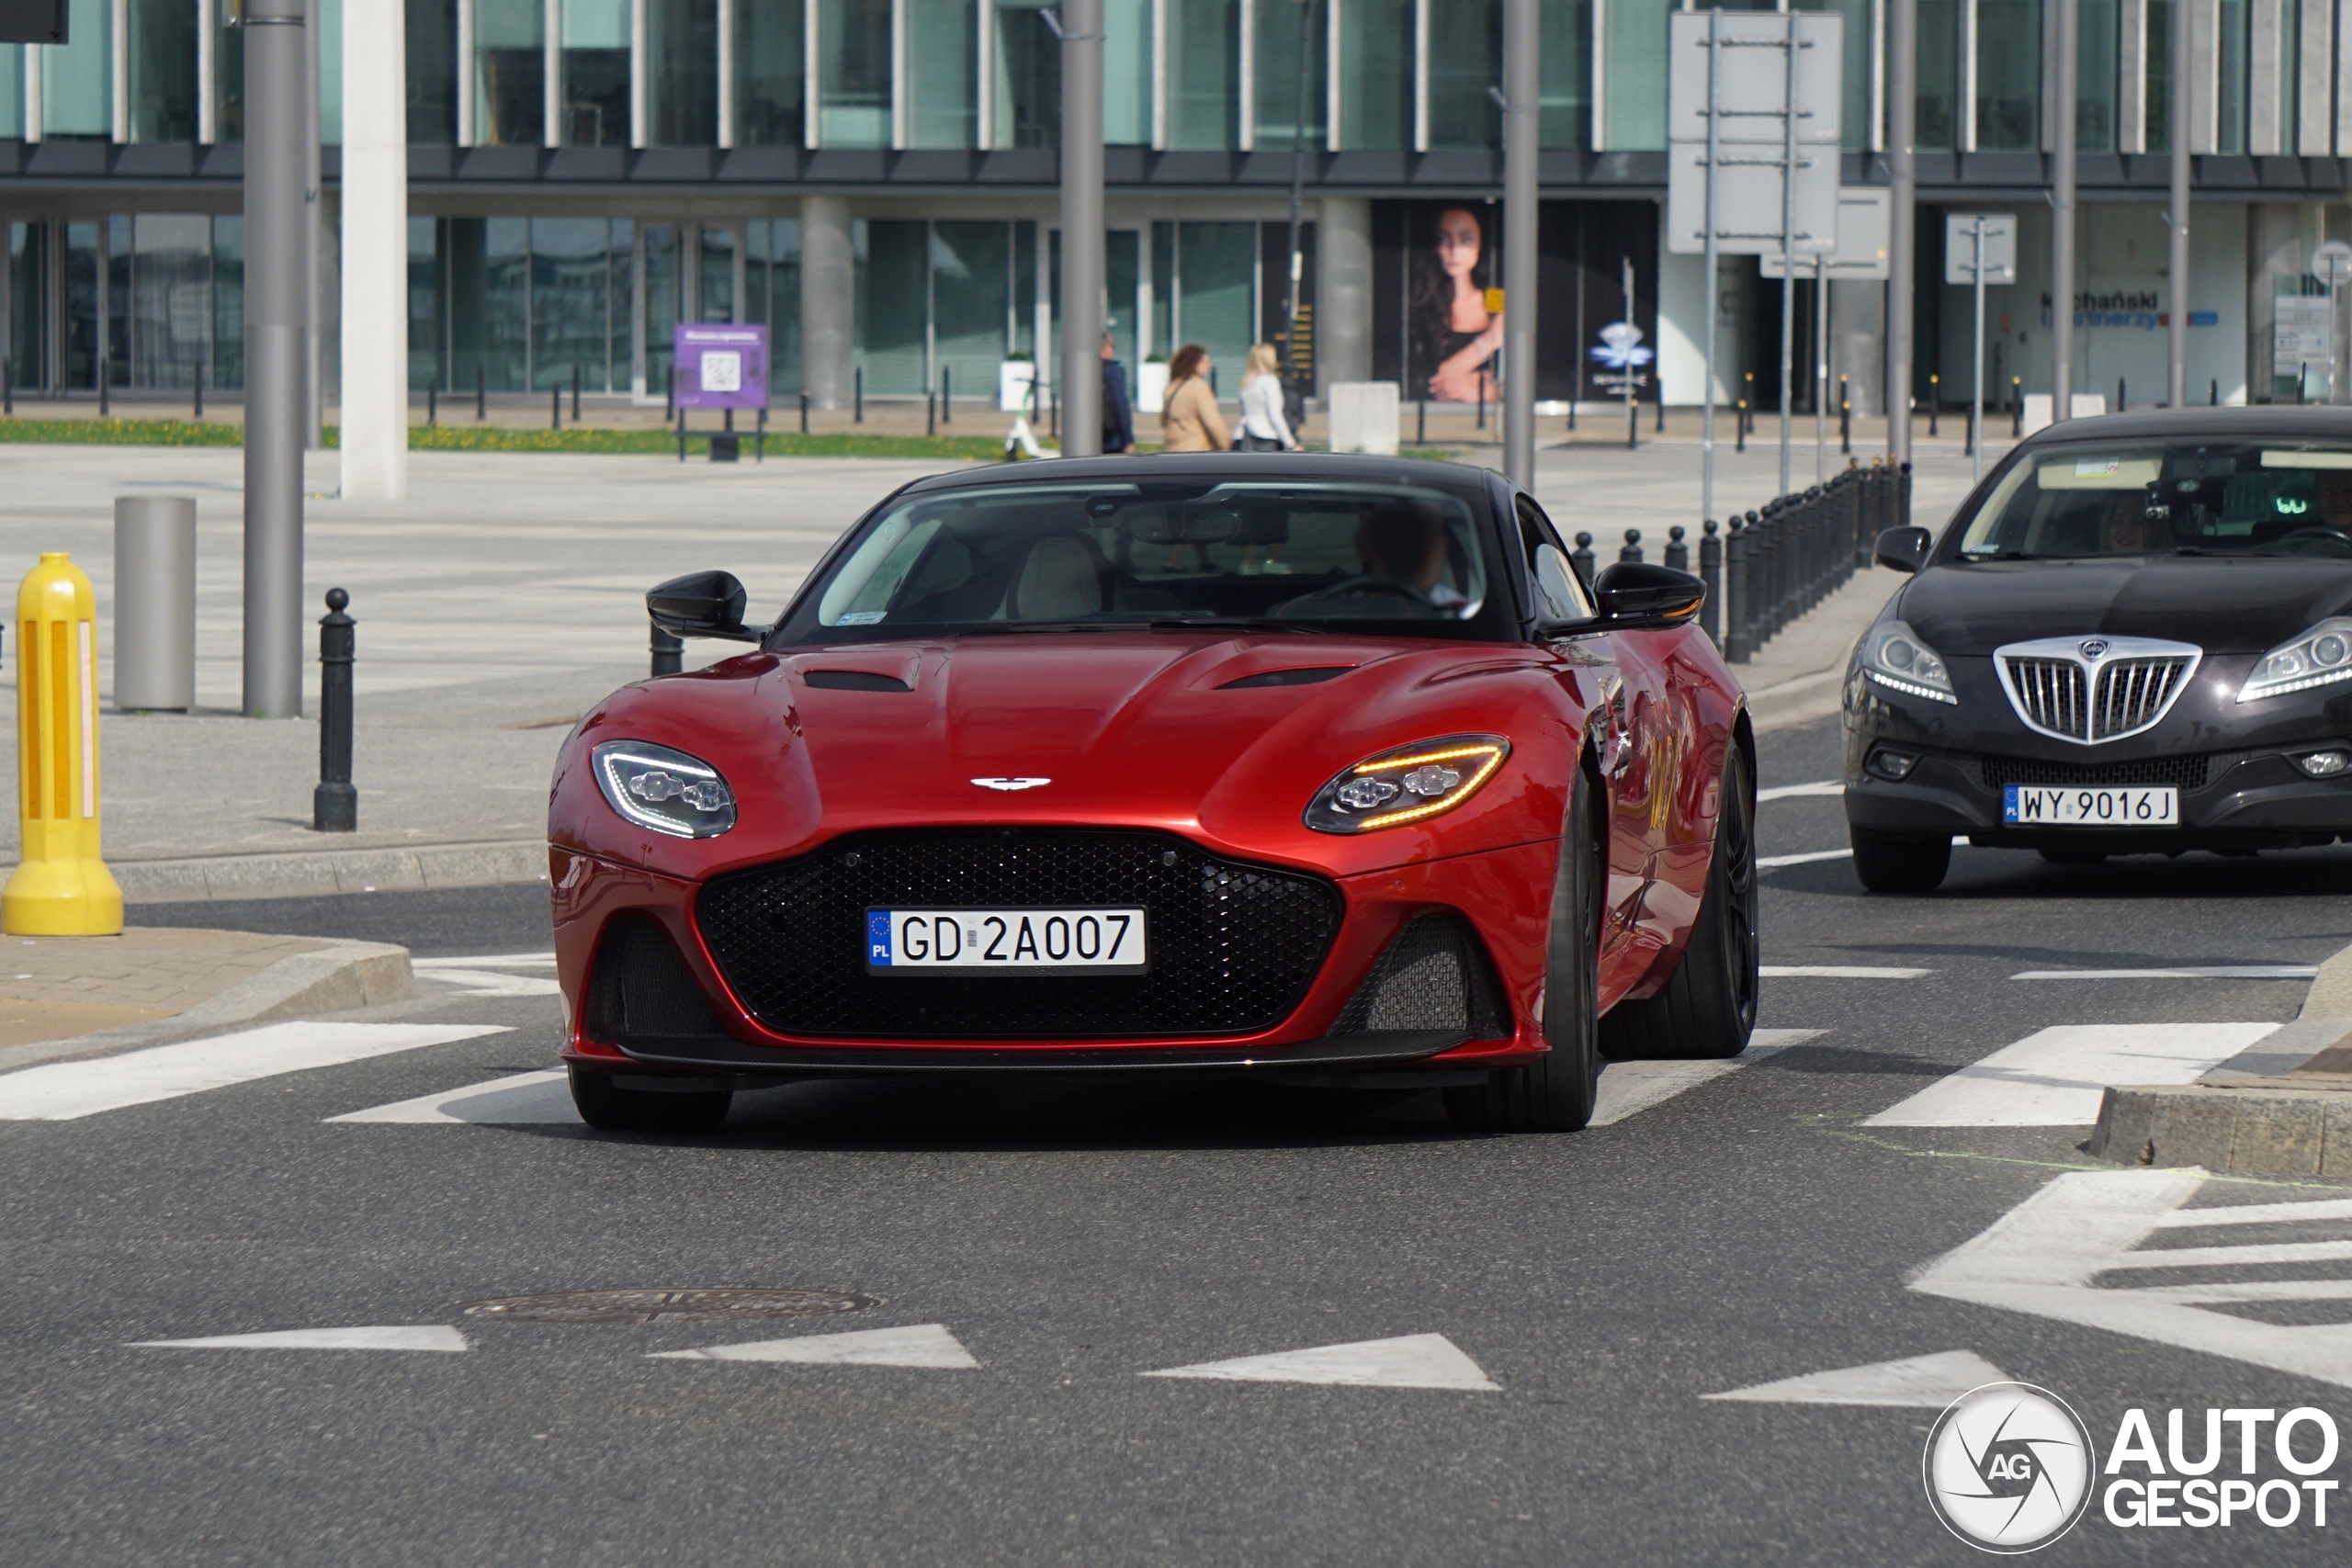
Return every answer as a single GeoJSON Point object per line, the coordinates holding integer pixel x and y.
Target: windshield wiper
{"type": "Point", "coordinates": [1213, 623]}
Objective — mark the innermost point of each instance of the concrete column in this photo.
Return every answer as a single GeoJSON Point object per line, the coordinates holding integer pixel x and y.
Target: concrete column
{"type": "Point", "coordinates": [1342, 292]}
{"type": "Point", "coordinates": [1081, 221]}
{"type": "Point", "coordinates": [277, 130]}
{"type": "Point", "coordinates": [827, 301]}
{"type": "Point", "coordinates": [1858, 345]}
{"type": "Point", "coordinates": [1522, 34]}
{"type": "Point", "coordinates": [375, 252]}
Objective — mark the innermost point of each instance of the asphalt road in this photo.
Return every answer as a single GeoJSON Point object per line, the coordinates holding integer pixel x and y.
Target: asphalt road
{"type": "Point", "coordinates": [1069, 1238]}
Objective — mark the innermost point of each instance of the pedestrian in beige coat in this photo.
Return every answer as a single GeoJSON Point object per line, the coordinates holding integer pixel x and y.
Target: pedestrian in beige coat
{"type": "Point", "coordinates": [1188, 420]}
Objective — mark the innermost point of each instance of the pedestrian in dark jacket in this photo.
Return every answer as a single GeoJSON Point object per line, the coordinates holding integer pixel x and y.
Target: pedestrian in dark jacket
{"type": "Point", "coordinates": [1118, 413]}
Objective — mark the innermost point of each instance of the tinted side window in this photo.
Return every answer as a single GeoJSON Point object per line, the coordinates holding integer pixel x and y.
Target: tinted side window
{"type": "Point", "coordinates": [1558, 595]}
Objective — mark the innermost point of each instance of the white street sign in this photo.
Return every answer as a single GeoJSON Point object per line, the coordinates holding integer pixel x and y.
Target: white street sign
{"type": "Point", "coordinates": [1754, 75]}
{"type": "Point", "coordinates": [2303, 334]}
{"type": "Point", "coordinates": [1863, 238]}
{"type": "Point", "coordinates": [1747, 203]}
{"type": "Point", "coordinates": [2332, 263]}
{"type": "Point", "coordinates": [2000, 247]}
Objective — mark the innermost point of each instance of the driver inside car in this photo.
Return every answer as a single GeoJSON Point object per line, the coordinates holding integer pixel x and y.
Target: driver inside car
{"type": "Point", "coordinates": [1406, 543]}
{"type": "Point", "coordinates": [2331, 496]}
{"type": "Point", "coordinates": [2126, 529]}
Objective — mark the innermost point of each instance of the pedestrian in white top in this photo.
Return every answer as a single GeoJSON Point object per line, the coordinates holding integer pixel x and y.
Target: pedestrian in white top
{"type": "Point", "coordinates": [1263, 429]}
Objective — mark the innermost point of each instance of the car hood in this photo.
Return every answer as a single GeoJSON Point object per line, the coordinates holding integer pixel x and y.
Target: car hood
{"type": "Point", "coordinates": [2222, 604]}
{"type": "Point", "coordinates": [1142, 728]}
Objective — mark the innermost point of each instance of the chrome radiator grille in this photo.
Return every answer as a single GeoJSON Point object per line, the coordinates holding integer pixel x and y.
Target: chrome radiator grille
{"type": "Point", "coordinates": [2092, 689]}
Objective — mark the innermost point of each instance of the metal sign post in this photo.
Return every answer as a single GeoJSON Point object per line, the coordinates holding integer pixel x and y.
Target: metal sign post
{"type": "Point", "coordinates": [1715, 231]}
{"type": "Point", "coordinates": [1979, 248]}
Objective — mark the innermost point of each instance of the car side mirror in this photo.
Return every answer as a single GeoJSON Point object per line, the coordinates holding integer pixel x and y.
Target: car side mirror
{"type": "Point", "coordinates": [701, 604]}
{"type": "Point", "coordinates": [1903, 549]}
{"type": "Point", "coordinates": [1638, 596]}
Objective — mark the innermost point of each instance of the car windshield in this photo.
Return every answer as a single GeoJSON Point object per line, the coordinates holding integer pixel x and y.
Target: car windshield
{"type": "Point", "coordinates": [1412, 559]}
{"type": "Point", "coordinates": [2196, 497]}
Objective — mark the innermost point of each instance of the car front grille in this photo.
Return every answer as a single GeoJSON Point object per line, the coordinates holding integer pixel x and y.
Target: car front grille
{"type": "Point", "coordinates": [2181, 773]}
{"type": "Point", "coordinates": [1233, 946]}
{"type": "Point", "coordinates": [2068, 688]}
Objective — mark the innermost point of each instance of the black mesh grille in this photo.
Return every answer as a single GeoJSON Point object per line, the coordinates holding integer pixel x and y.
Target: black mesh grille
{"type": "Point", "coordinates": [1433, 975]}
{"type": "Point", "coordinates": [641, 988]}
{"type": "Point", "coordinates": [1233, 946]}
{"type": "Point", "coordinates": [2181, 773]}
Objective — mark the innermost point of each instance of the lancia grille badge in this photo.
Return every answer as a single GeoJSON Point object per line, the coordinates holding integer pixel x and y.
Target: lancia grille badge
{"type": "Point", "coordinates": [1009, 786]}
{"type": "Point", "coordinates": [2091, 647]}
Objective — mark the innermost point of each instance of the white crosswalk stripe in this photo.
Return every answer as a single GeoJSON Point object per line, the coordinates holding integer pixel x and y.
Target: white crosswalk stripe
{"type": "Point", "coordinates": [61, 1091]}
{"type": "Point", "coordinates": [2054, 1077]}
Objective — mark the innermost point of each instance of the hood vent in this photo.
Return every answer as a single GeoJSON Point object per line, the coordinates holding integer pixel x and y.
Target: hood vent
{"type": "Point", "coordinates": [2095, 688]}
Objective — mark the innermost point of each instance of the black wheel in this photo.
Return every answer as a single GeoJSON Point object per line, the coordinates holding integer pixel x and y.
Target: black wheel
{"type": "Point", "coordinates": [1556, 1094]}
{"type": "Point", "coordinates": [609, 1108]}
{"type": "Point", "coordinates": [2072, 857]}
{"type": "Point", "coordinates": [1708, 1006]}
{"type": "Point", "coordinates": [1889, 864]}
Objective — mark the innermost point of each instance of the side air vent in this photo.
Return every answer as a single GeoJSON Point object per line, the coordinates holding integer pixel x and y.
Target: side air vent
{"type": "Point", "coordinates": [640, 990]}
{"type": "Point", "coordinates": [2095, 688]}
{"type": "Point", "coordinates": [1313, 676]}
{"type": "Point", "coordinates": [855, 681]}
{"type": "Point", "coordinates": [1434, 975]}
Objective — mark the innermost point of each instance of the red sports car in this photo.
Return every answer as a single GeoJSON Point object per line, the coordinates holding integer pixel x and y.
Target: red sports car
{"type": "Point", "coordinates": [1327, 770]}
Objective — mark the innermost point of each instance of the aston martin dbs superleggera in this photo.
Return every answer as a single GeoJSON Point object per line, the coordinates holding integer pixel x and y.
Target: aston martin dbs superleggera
{"type": "Point", "coordinates": [2135, 637]}
{"type": "Point", "coordinates": [1324, 769]}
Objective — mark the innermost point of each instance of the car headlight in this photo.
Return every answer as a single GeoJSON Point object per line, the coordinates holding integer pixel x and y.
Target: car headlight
{"type": "Point", "coordinates": [1893, 657]}
{"type": "Point", "coordinates": [664, 790]}
{"type": "Point", "coordinates": [2319, 657]}
{"type": "Point", "coordinates": [1411, 784]}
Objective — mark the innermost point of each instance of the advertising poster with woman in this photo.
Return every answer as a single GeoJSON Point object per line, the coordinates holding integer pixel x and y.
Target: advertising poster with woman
{"type": "Point", "coordinates": [1452, 258]}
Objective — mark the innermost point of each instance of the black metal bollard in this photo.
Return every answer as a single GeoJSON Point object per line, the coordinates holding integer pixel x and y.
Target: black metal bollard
{"type": "Point", "coordinates": [931, 413]}
{"type": "Point", "coordinates": [2017, 408]}
{"type": "Point", "coordinates": [947, 396]}
{"type": "Point", "coordinates": [682, 435]}
{"type": "Point", "coordinates": [669, 651]}
{"type": "Point", "coordinates": [1582, 560]}
{"type": "Point", "coordinates": [857, 414]}
{"type": "Point", "coordinates": [1658, 386]}
{"type": "Point", "coordinates": [200, 389]}
{"type": "Point", "coordinates": [1739, 427]}
{"type": "Point", "coordinates": [2217, 394]}
{"type": "Point", "coordinates": [1633, 550]}
{"type": "Point", "coordinates": [1735, 637]}
{"type": "Point", "coordinates": [433, 401]}
{"type": "Point", "coordinates": [804, 413]}
{"type": "Point", "coordinates": [575, 392]}
{"type": "Point", "coordinates": [481, 393]}
{"type": "Point", "coordinates": [555, 396]}
{"type": "Point", "coordinates": [1678, 552]}
{"type": "Point", "coordinates": [761, 451]}
{"type": "Point", "coordinates": [1845, 421]}
{"type": "Point", "coordinates": [105, 378]}
{"type": "Point", "coordinates": [8, 386]}
{"type": "Point", "coordinates": [1422, 422]}
{"type": "Point", "coordinates": [669, 391]}
{"type": "Point", "coordinates": [334, 804]}
{"type": "Point", "coordinates": [1710, 572]}
{"type": "Point", "coordinates": [1482, 402]}
{"type": "Point", "coordinates": [2120, 404]}
{"type": "Point", "coordinates": [1935, 401]}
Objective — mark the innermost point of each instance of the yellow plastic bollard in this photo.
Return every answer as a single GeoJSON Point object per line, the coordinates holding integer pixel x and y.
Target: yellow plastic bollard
{"type": "Point", "coordinates": [61, 887]}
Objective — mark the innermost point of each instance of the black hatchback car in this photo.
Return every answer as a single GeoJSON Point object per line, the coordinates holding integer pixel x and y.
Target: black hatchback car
{"type": "Point", "coordinates": [2135, 637]}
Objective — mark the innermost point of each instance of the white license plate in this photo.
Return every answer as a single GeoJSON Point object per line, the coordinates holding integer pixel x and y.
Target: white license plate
{"type": "Point", "coordinates": [1004, 941]}
{"type": "Point", "coordinates": [2045, 806]}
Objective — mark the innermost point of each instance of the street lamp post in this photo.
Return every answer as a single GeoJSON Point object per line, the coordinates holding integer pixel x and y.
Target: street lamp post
{"type": "Point", "coordinates": [1903, 239]}
{"type": "Point", "coordinates": [276, 36]}
{"type": "Point", "coordinates": [1081, 215]}
{"type": "Point", "coordinates": [1521, 42]}
{"type": "Point", "coordinates": [2177, 388]}
{"type": "Point", "coordinates": [2062, 209]}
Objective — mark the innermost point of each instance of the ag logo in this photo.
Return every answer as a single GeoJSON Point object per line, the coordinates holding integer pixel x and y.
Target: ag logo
{"type": "Point", "coordinates": [2008, 1468]}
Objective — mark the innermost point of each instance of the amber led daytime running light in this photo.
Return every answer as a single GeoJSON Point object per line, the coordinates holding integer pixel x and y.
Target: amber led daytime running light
{"type": "Point", "coordinates": [1454, 798]}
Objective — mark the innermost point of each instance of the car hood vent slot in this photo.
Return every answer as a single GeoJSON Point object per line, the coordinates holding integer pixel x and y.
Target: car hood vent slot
{"type": "Point", "coordinates": [2095, 688]}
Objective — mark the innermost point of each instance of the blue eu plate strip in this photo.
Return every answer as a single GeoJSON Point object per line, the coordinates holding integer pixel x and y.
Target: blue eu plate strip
{"type": "Point", "coordinates": [2008, 814]}
{"type": "Point", "coordinates": [878, 936]}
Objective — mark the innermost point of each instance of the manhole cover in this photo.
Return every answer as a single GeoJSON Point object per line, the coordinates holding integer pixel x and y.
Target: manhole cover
{"type": "Point", "coordinates": [712, 1304]}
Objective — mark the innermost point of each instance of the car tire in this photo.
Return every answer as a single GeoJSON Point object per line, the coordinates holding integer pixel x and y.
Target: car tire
{"type": "Point", "coordinates": [1889, 864]}
{"type": "Point", "coordinates": [1707, 1007]}
{"type": "Point", "coordinates": [1556, 1093]}
{"type": "Point", "coordinates": [610, 1109]}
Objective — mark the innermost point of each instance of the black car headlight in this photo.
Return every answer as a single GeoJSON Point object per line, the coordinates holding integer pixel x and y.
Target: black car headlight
{"type": "Point", "coordinates": [1893, 656]}
{"type": "Point", "coordinates": [664, 790]}
{"type": "Point", "coordinates": [2321, 657]}
{"type": "Point", "coordinates": [1411, 784]}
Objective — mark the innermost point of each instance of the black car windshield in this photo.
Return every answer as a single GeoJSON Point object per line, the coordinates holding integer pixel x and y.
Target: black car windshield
{"type": "Point", "coordinates": [2194, 496]}
{"type": "Point", "coordinates": [1404, 558]}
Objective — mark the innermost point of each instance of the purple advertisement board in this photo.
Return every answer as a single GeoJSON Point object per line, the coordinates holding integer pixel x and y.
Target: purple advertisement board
{"type": "Point", "coordinates": [722, 367]}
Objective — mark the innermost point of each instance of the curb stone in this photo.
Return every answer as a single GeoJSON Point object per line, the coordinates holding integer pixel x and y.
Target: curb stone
{"type": "Point", "coordinates": [314, 872]}
{"type": "Point", "coordinates": [340, 977]}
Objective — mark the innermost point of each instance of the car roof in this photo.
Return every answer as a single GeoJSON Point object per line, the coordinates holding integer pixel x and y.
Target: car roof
{"type": "Point", "coordinates": [2263, 420]}
{"type": "Point", "coordinates": [1193, 467]}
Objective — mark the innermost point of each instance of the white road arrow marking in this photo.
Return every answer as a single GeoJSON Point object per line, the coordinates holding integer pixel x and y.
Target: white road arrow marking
{"type": "Point", "coordinates": [1927, 1382]}
{"type": "Point", "coordinates": [1768, 862]}
{"type": "Point", "coordinates": [2053, 1078]}
{"type": "Point", "coordinates": [1415, 1361]}
{"type": "Point", "coordinates": [2045, 1257]}
{"type": "Point", "coordinates": [521, 1098]}
{"type": "Point", "coordinates": [925, 1345]}
{"type": "Point", "coordinates": [1628, 1088]}
{"type": "Point", "coordinates": [429, 1337]}
{"type": "Point", "coordinates": [61, 1092]}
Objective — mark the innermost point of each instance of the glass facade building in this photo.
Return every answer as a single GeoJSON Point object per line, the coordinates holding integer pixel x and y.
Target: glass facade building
{"type": "Point", "coordinates": [588, 174]}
